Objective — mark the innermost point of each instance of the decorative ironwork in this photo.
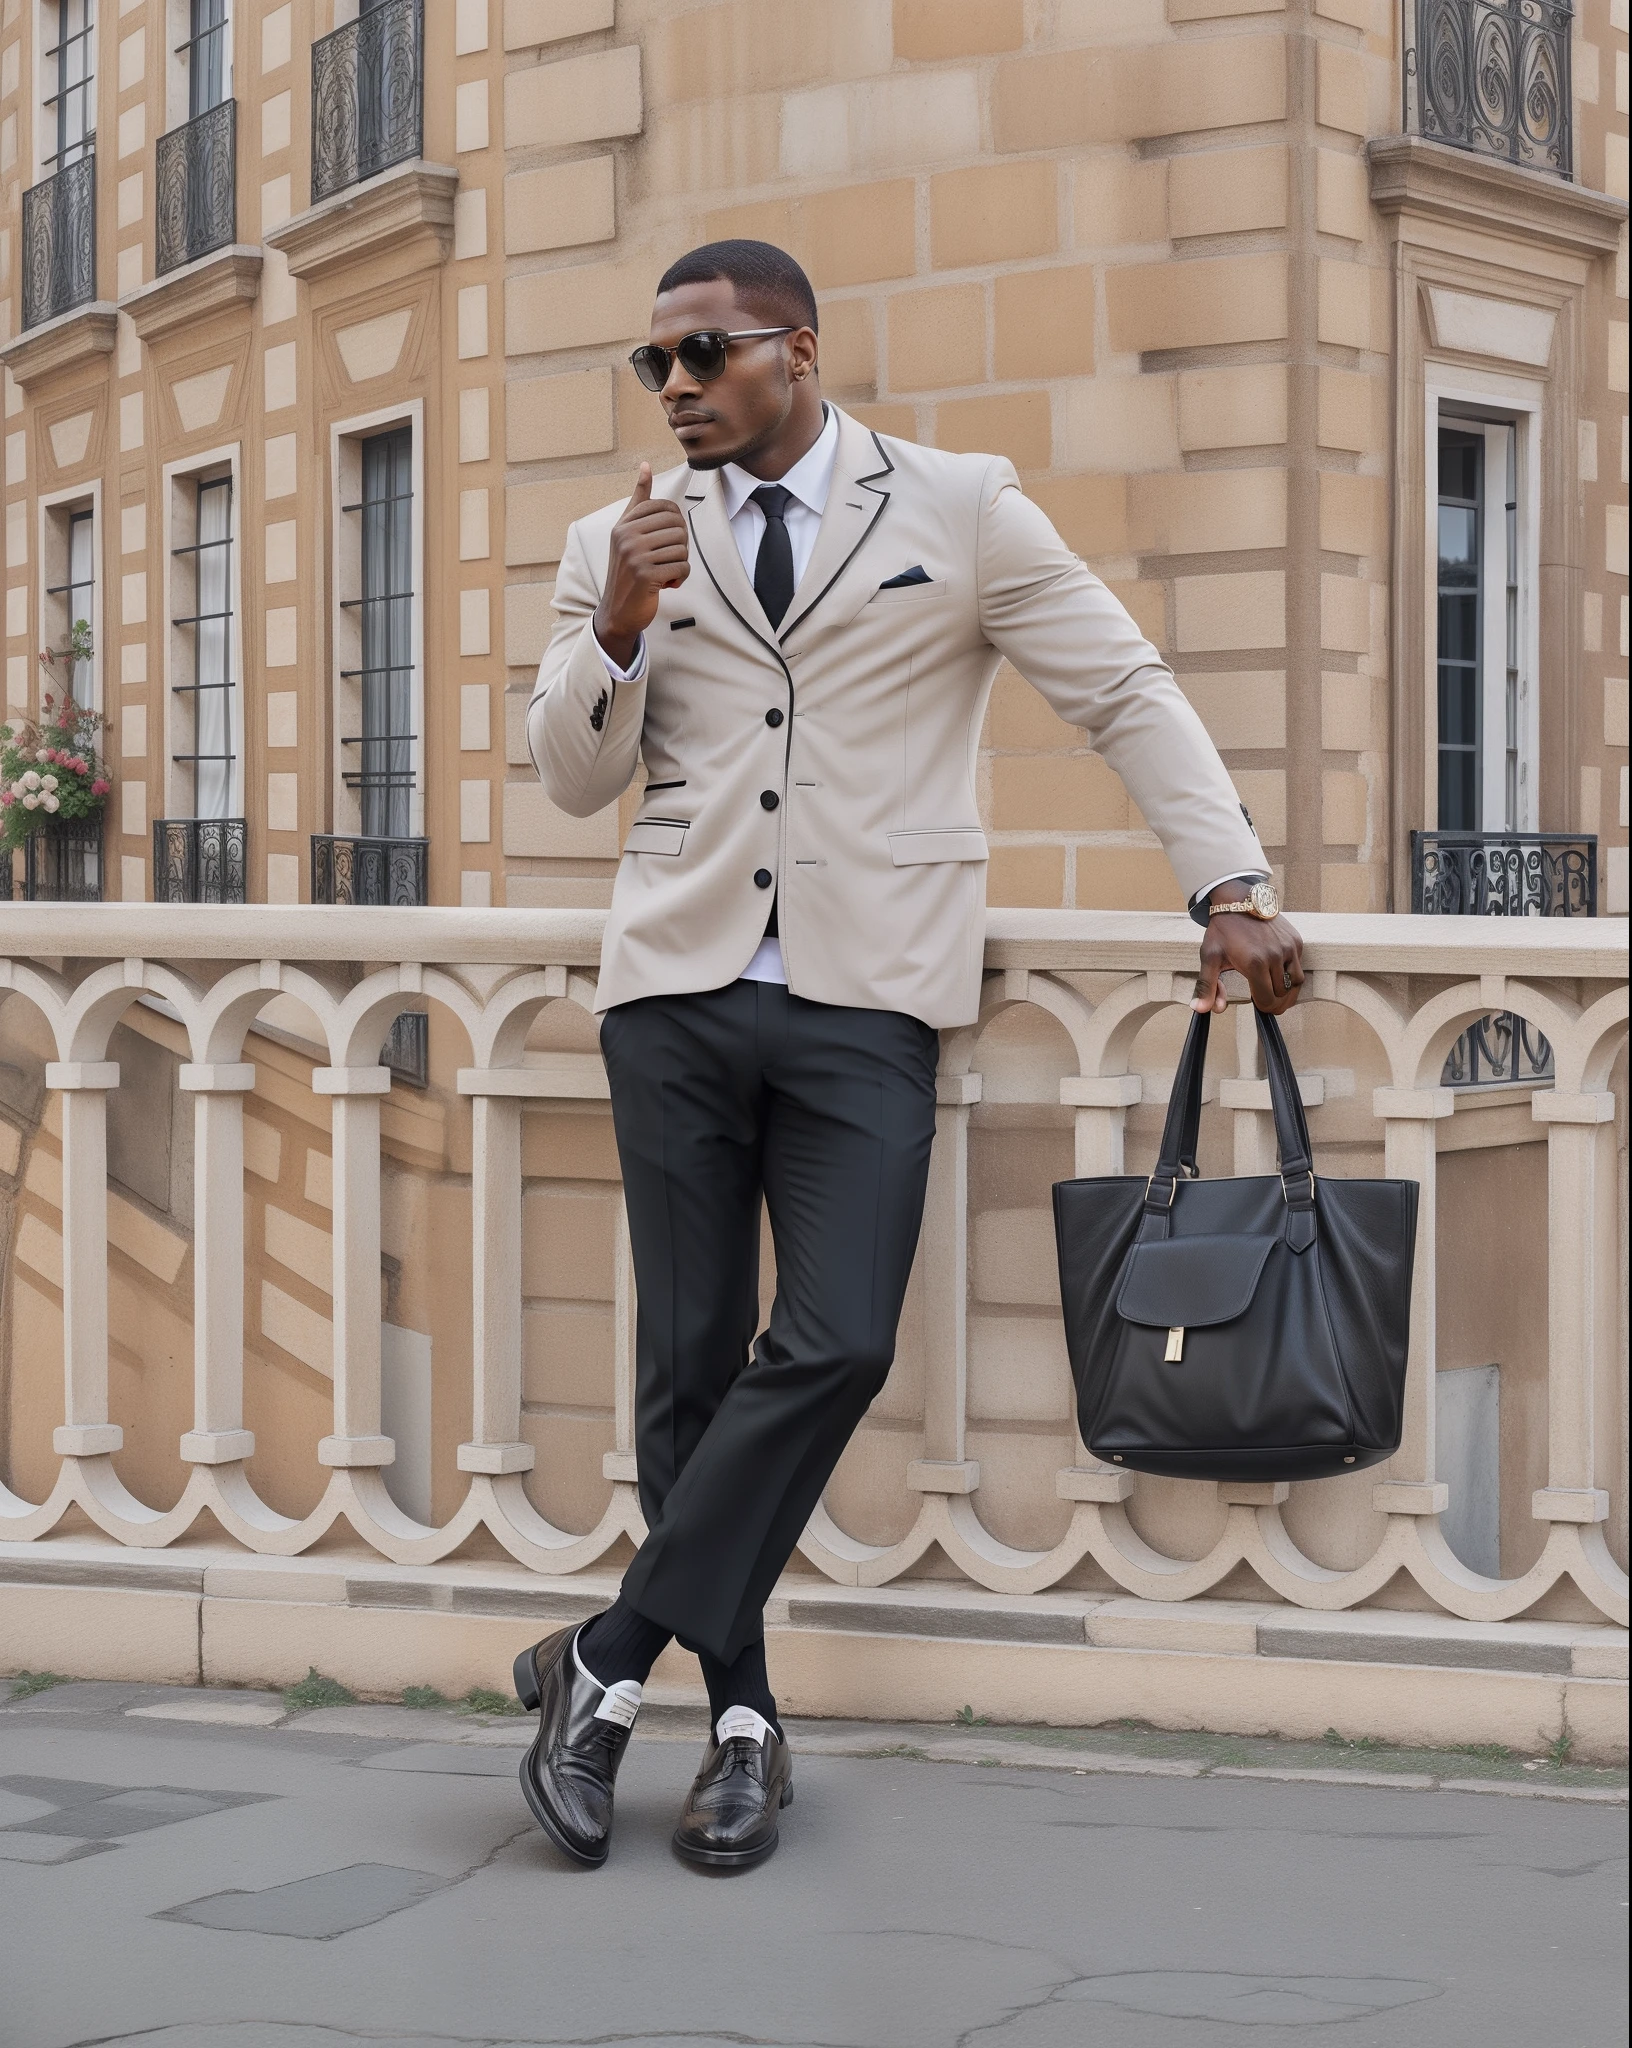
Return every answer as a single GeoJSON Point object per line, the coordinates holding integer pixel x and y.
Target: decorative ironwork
{"type": "Point", "coordinates": [1500, 1047]}
{"type": "Point", "coordinates": [357, 869]}
{"type": "Point", "coordinates": [59, 242]}
{"type": "Point", "coordinates": [352, 868]}
{"type": "Point", "coordinates": [62, 862]}
{"type": "Point", "coordinates": [1492, 76]}
{"type": "Point", "coordinates": [200, 860]}
{"type": "Point", "coordinates": [1503, 874]}
{"type": "Point", "coordinates": [368, 89]}
{"type": "Point", "coordinates": [195, 180]}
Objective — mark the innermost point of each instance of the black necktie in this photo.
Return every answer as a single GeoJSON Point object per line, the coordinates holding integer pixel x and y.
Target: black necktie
{"type": "Point", "coordinates": [773, 566]}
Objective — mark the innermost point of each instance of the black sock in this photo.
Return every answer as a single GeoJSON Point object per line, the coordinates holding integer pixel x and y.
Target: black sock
{"type": "Point", "coordinates": [621, 1644]}
{"type": "Point", "coordinates": [742, 1684]}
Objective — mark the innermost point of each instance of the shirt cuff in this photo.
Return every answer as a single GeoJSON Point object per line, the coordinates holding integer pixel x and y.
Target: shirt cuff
{"type": "Point", "coordinates": [1198, 903]}
{"type": "Point", "coordinates": [636, 668]}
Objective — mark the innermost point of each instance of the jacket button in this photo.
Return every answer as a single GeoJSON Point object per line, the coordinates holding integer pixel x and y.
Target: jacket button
{"type": "Point", "coordinates": [762, 878]}
{"type": "Point", "coordinates": [773, 716]}
{"type": "Point", "coordinates": [769, 799]}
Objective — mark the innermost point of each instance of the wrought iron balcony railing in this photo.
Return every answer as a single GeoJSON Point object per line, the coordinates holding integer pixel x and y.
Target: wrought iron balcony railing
{"type": "Point", "coordinates": [199, 860]}
{"type": "Point", "coordinates": [62, 863]}
{"type": "Point", "coordinates": [368, 92]}
{"type": "Point", "coordinates": [1492, 76]}
{"type": "Point", "coordinates": [195, 177]}
{"type": "Point", "coordinates": [1502, 874]}
{"type": "Point", "coordinates": [349, 867]}
{"type": "Point", "coordinates": [59, 242]}
{"type": "Point", "coordinates": [355, 869]}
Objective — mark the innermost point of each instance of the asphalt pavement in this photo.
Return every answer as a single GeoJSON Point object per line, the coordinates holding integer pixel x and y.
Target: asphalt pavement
{"type": "Point", "coordinates": [370, 1875]}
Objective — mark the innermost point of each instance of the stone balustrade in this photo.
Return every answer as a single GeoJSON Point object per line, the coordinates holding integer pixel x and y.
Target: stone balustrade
{"type": "Point", "coordinates": [969, 1467]}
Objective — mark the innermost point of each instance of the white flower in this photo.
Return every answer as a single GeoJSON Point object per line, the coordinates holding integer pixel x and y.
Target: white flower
{"type": "Point", "coordinates": [32, 779]}
{"type": "Point", "coordinates": [44, 754]}
{"type": "Point", "coordinates": [51, 803]}
{"type": "Point", "coordinates": [17, 787]}
{"type": "Point", "coordinates": [31, 802]}
{"type": "Point", "coordinates": [48, 782]}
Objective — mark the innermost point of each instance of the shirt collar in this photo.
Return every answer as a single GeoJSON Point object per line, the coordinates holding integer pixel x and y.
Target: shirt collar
{"type": "Point", "coordinates": [810, 479]}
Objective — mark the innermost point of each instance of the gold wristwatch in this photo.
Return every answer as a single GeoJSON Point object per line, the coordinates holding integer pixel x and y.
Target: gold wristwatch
{"type": "Point", "coordinates": [1259, 901]}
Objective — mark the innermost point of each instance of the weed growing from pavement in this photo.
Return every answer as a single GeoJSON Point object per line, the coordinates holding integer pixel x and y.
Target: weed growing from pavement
{"type": "Point", "coordinates": [1336, 1741]}
{"type": "Point", "coordinates": [966, 1717]}
{"type": "Point", "coordinates": [27, 1683]}
{"type": "Point", "coordinates": [1559, 1752]}
{"type": "Point", "coordinates": [314, 1690]}
{"type": "Point", "coordinates": [482, 1699]}
{"type": "Point", "coordinates": [423, 1696]}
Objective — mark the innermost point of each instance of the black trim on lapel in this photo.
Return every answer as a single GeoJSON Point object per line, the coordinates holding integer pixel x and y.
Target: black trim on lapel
{"type": "Point", "coordinates": [864, 483]}
{"type": "Point", "coordinates": [769, 646]}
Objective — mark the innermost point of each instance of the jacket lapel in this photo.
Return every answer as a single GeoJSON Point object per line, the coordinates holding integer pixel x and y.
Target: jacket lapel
{"type": "Point", "coordinates": [703, 502]}
{"type": "Point", "coordinates": [856, 501]}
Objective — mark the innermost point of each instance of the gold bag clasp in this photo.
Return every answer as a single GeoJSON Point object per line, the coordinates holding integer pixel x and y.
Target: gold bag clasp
{"type": "Point", "coordinates": [1175, 1345]}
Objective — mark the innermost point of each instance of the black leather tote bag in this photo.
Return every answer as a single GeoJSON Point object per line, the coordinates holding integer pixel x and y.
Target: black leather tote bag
{"type": "Point", "coordinates": [1242, 1330]}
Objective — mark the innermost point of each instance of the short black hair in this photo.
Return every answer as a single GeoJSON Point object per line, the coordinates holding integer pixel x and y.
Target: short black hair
{"type": "Point", "coordinates": [764, 278]}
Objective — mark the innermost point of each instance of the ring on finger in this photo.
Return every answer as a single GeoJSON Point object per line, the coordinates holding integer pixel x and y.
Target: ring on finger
{"type": "Point", "coordinates": [1286, 976]}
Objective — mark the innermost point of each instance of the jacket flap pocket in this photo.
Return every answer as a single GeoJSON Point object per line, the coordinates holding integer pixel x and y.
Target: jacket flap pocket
{"type": "Point", "coordinates": [1191, 1281]}
{"type": "Point", "coordinates": [951, 842]}
{"type": "Point", "coordinates": [656, 835]}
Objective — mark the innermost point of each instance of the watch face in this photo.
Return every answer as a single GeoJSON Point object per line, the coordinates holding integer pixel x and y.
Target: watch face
{"type": "Point", "coordinates": [1264, 901]}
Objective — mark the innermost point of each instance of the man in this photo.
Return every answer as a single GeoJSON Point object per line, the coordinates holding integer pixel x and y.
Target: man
{"type": "Point", "coordinates": [796, 631]}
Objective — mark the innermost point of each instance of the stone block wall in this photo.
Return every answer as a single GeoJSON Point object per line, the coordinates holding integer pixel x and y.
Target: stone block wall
{"type": "Point", "coordinates": [1127, 244]}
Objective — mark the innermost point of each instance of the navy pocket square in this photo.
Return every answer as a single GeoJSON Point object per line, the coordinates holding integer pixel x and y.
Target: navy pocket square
{"type": "Point", "coordinates": [916, 574]}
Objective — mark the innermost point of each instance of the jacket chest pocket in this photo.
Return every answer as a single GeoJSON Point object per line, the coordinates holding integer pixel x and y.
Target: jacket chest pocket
{"type": "Point", "coordinates": [657, 835]}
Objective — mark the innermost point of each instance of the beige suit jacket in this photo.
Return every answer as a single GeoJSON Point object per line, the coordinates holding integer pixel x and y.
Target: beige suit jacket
{"type": "Point", "coordinates": [857, 805]}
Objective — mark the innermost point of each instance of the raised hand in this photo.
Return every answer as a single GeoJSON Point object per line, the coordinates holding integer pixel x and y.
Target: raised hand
{"type": "Point", "coordinates": [650, 553]}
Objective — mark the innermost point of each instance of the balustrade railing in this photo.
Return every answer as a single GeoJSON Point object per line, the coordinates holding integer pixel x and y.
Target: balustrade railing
{"type": "Point", "coordinates": [200, 860]}
{"type": "Point", "coordinates": [195, 182]}
{"type": "Point", "coordinates": [59, 242]}
{"type": "Point", "coordinates": [1492, 76]}
{"type": "Point", "coordinates": [308, 1168]}
{"type": "Point", "coordinates": [368, 89]}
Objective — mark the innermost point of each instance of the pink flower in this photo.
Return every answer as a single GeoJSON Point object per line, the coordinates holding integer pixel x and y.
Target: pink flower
{"type": "Point", "coordinates": [100, 787]}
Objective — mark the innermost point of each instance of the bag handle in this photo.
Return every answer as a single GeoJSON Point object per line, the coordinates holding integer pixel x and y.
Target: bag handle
{"type": "Point", "coordinates": [1177, 1158]}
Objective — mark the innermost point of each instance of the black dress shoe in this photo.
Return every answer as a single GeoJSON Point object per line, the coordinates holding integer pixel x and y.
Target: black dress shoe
{"type": "Point", "coordinates": [730, 1816]}
{"type": "Point", "coordinates": [568, 1775]}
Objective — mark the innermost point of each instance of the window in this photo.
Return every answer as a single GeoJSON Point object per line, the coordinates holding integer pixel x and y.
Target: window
{"type": "Point", "coordinates": [1482, 693]}
{"type": "Point", "coordinates": [71, 602]}
{"type": "Point", "coordinates": [384, 777]}
{"type": "Point", "coordinates": [205, 51]}
{"type": "Point", "coordinates": [201, 588]}
{"type": "Point", "coordinates": [71, 104]}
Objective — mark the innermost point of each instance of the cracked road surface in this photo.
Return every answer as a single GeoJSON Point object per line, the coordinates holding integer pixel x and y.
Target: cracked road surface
{"type": "Point", "coordinates": [180, 1885]}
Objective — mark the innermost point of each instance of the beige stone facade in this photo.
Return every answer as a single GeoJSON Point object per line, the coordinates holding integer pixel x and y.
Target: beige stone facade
{"type": "Point", "coordinates": [1161, 253]}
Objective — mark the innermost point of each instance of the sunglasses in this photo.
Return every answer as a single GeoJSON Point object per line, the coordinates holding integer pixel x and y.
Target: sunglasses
{"type": "Point", "coordinates": [701, 355]}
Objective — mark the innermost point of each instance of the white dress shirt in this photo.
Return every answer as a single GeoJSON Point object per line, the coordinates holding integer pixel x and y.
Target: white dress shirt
{"type": "Point", "coordinates": [809, 481]}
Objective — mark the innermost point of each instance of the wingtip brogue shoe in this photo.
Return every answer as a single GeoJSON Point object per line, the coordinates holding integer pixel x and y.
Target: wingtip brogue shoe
{"type": "Point", "coordinates": [568, 1775]}
{"type": "Point", "coordinates": [731, 1812]}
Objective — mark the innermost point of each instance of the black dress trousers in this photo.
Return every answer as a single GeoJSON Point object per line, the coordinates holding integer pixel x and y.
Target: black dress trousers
{"type": "Point", "coordinates": [829, 1113]}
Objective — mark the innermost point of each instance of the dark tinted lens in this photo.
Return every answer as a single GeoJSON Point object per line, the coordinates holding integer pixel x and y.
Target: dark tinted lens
{"type": "Point", "coordinates": [651, 365]}
{"type": "Point", "coordinates": [704, 355]}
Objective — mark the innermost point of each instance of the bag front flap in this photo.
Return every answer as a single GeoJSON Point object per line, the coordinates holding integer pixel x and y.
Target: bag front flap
{"type": "Point", "coordinates": [1191, 1281]}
